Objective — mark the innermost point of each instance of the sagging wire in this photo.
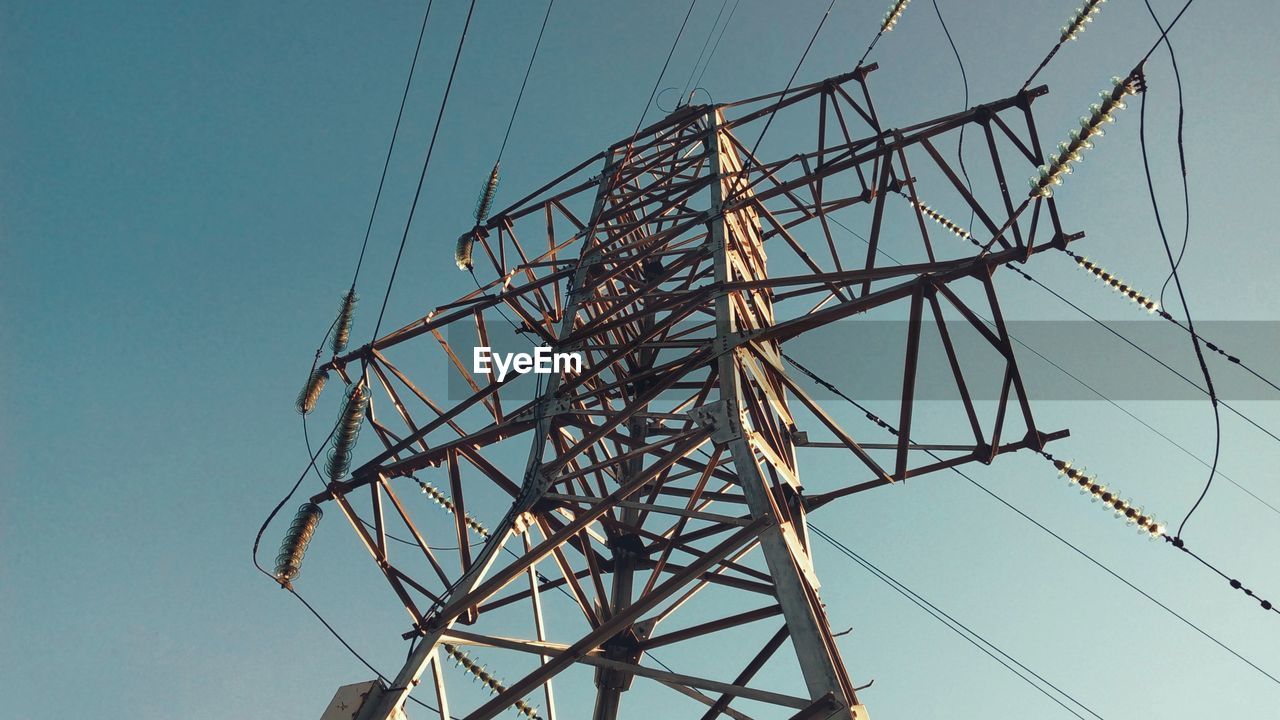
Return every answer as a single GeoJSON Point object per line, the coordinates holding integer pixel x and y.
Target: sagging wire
{"type": "Point", "coordinates": [338, 636]}
{"type": "Point", "coordinates": [964, 78]}
{"type": "Point", "coordinates": [1182, 298]}
{"type": "Point", "coordinates": [481, 673]}
{"type": "Point", "coordinates": [959, 628]}
{"type": "Point", "coordinates": [1182, 155]}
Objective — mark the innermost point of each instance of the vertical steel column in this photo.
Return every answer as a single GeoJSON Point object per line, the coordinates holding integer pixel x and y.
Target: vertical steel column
{"type": "Point", "coordinates": [788, 559]}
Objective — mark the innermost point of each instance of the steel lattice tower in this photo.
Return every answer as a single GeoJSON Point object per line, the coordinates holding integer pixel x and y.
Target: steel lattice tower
{"type": "Point", "coordinates": [659, 488]}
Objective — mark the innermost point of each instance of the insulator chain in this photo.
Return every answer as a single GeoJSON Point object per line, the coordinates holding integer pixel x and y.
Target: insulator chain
{"type": "Point", "coordinates": [445, 502]}
{"type": "Point", "coordinates": [1084, 16]}
{"type": "Point", "coordinates": [892, 17]}
{"type": "Point", "coordinates": [296, 540]}
{"type": "Point", "coordinates": [1124, 508]}
{"type": "Point", "coordinates": [1069, 153]}
{"type": "Point", "coordinates": [495, 686]}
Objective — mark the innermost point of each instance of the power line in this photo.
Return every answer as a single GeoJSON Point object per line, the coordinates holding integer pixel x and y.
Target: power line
{"type": "Point", "coordinates": [1086, 385]}
{"type": "Point", "coordinates": [1073, 29]}
{"type": "Point", "coordinates": [1186, 307]}
{"type": "Point", "coordinates": [1127, 510]}
{"type": "Point", "coordinates": [1140, 349]}
{"type": "Point", "coordinates": [338, 636]}
{"type": "Point", "coordinates": [529, 69]}
{"type": "Point", "coordinates": [426, 164]}
{"type": "Point", "coordinates": [1043, 528]}
{"type": "Point", "coordinates": [1152, 306]}
{"type": "Point", "coordinates": [955, 625]}
{"type": "Point", "coordinates": [964, 78]}
{"type": "Point", "coordinates": [1182, 155]}
{"type": "Point", "coordinates": [1140, 421]}
{"type": "Point", "coordinates": [1083, 16]}
{"type": "Point", "coordinates": [769, 121]}
{"type": "Point", "coordinates": [1235, 584]}
{"type": "Point", "coordinates": [711, 31]}
{"type": "Point", "coordinates": [395, 133]}
{"type": "Point", "coordinates": [658, 83]}
{"type": "Point", "coordinates": [716, 46]}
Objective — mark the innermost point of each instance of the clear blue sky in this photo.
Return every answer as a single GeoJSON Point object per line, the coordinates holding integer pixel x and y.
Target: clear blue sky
{"type": "Point", "coordinates": [183, 188]}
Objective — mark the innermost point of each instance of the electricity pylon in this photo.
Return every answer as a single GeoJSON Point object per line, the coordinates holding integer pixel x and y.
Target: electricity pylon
{"type": "Point", "coordinates": [659, 489]}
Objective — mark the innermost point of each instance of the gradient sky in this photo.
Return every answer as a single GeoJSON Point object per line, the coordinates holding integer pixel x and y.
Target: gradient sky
{"type": "Point", "coordinates": [183, 188]}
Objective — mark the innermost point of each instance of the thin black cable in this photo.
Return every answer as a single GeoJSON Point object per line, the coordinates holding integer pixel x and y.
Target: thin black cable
{"type": "Point", "coordinates": [476, 280]}
{"type": "Point", "coordinates": [1142, 350]}
{"type": "Point", "coordinates": [795, 72]}
{"type": "Point", "coordinates": [426, 163]}
{"type": "Point", "coordinates": [520, 95]}
{"type": "Point", "coordinates": [661, 73]}
{"type": "Point", "coordinates": [1164, 33]}
{"type": "Point", "coordinates": [1182, 155]}
{"type": "Point", "coordinates": [1139, 420]}
{"type": "Point", "coordinates": [954, 625]}
{"type": "Point", "coordinates": [697, 83]}
{"type": "Point", "coordinates": [1165, 315]}
{"type": "Point", "coordinates": [711, 31]}
{"type": "Point", "coordinates": [1235, 584]}
{"type": "Point", "coordinates": [395, 132]}
{"type": "Point", "coordinates": [1043, 63]}
{"type": "Point", "coordinates": [257, 540]}
{"type": "Point", "coordinates": [893, 431]}
{"type": "Point", "coordinates": [339, 637]}
{"type": "Point", "coordinates": [872, 46]}
{"type": "Point", "coordinates": [964, 78]}
{"type": "Point", "coordinates": [1186, 309]}
{"type": "Point", "coordinates": [357, 655]}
